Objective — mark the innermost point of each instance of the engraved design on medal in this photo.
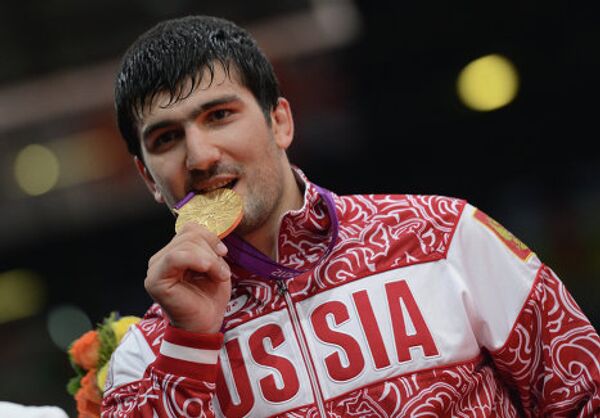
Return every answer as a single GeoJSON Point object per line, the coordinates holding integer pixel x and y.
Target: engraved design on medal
{"type": "Point", "coordinates": [220, 211]}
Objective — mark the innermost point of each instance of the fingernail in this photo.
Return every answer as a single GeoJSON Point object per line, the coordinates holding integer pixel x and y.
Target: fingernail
{"type": "Point", "coordinates": [221, 249]}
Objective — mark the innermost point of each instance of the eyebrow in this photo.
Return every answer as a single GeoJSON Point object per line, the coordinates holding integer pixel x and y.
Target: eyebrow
{"type": "Point", "coordinates": [204, 107]}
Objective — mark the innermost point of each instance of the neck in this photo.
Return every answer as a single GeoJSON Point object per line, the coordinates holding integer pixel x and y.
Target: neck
{"type": "Point", "coordinates": [264, 238]}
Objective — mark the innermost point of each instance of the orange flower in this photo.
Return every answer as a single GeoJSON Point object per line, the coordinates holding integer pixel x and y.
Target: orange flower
{"type": "Point", "coordinates": [85, 350]}
{"type": "Point", "coordinates": [88, 397]}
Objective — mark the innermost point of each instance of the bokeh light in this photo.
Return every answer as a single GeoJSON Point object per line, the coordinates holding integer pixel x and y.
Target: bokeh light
{"type": "Point", "coordinates": [66, 323]}
{"type": "Point", "coordinates": [488, 83]}
{"type": "Point", "coordinates": [22, 294]}
{"type": "Point", "coordinates": [36, 169]}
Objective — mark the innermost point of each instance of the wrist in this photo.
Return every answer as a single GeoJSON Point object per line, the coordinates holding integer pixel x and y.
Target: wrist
{"type": "Point", "coordinates": [199, 329]}
{"type": "Point", "coordinates": [190, 354]}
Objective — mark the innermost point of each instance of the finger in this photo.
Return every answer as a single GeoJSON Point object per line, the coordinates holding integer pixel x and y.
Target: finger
{"type": "Point", "coordinates": [211, 265]}
{"type": "Point", "coordinates": [191, 233]}
{"type": "Point", "coordinates": [190, 256]}
{"type": "Point", "coordinates": [220, 273]}
{"type": "Point", "coordinates": [197, 232]}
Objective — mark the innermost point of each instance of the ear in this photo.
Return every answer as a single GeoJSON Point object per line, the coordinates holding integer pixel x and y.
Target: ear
{"type": "Point", "coordinates": [282, 123]}
{"type": "Point", "coordinates": [148, 179]}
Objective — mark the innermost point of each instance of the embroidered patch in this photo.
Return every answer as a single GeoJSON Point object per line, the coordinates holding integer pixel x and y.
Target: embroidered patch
{"type": "Point", "coordinates": [513, 243]}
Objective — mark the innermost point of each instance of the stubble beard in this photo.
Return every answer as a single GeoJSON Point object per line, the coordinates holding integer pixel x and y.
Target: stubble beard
{"type": "Point", "coordinates": [263, 198]}
{"type": "Point", "coordinates": [264, 193]}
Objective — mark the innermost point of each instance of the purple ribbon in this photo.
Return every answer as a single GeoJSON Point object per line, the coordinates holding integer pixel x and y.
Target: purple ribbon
{"type": "Point", "coordinates": [249, 258]}
{"type": "Point", "coordinates": [183, 201]}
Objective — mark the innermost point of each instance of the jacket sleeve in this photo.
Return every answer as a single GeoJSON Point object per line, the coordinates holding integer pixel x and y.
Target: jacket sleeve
{"type": "Point", "coordinates": [543, 346]}
{"type": "Point", "coordinates": [552, 355]}
{"type": "Point", "coordinates": [179, 380]}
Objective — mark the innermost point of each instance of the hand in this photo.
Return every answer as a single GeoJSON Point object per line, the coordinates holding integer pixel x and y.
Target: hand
{"type": "Point", "coordinates": [190, 280]}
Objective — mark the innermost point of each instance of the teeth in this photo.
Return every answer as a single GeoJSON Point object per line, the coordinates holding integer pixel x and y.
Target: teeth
{"type": "Point", "coordinates": [217, 186]}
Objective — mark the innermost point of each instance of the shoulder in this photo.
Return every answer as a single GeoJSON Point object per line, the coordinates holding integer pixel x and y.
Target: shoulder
{"type": "Point", "coordinates": [478, 231]}
{"type": "Point", "coordinates": [428, 207]}
{"type": "Point", "coordinates": [422, 224]}
{"type": "Point", "coordinates": [138, 348]}
{"type": "Point", "coordinates": [146, 336]}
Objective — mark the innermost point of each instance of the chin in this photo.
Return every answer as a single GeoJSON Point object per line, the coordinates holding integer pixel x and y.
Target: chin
{"type": "Point", "coordinates": [250, 224]}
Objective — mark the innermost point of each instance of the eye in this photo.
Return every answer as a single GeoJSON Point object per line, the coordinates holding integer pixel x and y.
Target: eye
{"type": "Point", "coordinates": [164, 139]}
{"type": "Point", "coordinates": [219, 115]}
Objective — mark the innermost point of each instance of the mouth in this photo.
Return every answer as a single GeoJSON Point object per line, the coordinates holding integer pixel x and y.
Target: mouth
{"type": "Point", "coordinates": [217, 183]}
{"type": "Point", "coordinates": [210, 185]}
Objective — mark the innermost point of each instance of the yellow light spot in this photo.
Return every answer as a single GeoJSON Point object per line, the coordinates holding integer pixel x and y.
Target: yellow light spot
{"type": "Point", "coordinates": [488, 83]}
{"type": "Point", "coordinates": [22, 294]}
{"type": "Point", "coordinates": [36, 169]}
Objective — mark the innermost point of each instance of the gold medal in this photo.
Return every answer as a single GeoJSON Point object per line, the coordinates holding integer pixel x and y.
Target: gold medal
{"type": "Point", "coordinates": [220, 211]}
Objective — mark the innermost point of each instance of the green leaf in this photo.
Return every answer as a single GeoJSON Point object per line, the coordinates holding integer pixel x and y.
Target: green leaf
{"type": "Point", "coordinates": [79, 370]}
{"type": "Point", "coordinates": [74, 385]}
{"type": "Point", "coordinates": [108, 339]}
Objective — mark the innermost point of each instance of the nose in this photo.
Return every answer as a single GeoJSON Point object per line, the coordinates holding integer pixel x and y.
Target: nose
{"type": "Point", "coordinates": [201, 153]}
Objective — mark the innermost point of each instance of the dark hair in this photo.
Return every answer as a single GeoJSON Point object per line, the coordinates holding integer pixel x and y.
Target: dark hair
{"type": "Point", "coordinates": [179, 50]}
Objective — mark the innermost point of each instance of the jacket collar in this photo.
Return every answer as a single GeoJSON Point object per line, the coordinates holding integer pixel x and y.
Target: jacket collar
{"type": "Point", "coordinates": [303, 233]}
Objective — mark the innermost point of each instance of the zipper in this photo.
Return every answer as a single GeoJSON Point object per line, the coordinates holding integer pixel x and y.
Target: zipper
{"type": "Point", "coordinates": [312, 375]}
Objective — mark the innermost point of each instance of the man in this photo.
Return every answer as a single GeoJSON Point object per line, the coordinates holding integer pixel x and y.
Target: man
{"type": "Point", "coordinates": [321, 305]}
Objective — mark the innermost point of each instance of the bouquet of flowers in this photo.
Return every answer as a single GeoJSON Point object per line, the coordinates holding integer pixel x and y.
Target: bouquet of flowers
{"type": "Point", "coordinates": [89, 356]}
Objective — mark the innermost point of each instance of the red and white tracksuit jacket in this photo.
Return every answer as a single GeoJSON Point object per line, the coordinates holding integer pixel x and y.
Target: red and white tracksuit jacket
{"type": "Point", "coordinates": [425, 307]}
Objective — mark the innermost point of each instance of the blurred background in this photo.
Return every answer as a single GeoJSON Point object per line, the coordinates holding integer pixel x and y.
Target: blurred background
{"type": "Point", "coordinates": [494, 102]}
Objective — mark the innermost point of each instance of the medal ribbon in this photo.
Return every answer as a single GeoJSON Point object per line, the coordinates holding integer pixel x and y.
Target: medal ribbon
{"type": "Point", "coordinates": [249, 258]}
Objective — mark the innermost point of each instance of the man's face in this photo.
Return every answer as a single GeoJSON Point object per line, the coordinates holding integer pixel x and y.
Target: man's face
{"type": "Point", "coordinates": [217, 137]}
